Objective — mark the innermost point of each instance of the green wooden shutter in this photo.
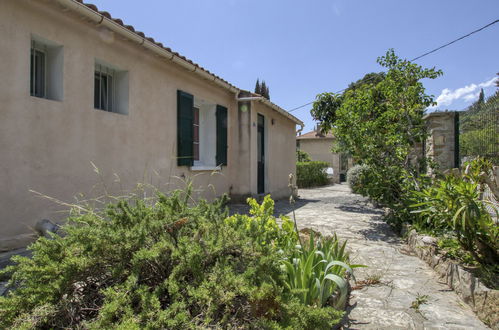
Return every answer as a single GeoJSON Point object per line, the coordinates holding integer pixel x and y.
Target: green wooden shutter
{"type": "Point", "coordinates": [221, 135]}
{"type": "Point", "coordinates": [185, 129]}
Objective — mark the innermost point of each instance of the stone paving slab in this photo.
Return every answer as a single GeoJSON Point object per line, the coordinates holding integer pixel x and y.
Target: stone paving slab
{"type": "Point", "coordinates": [402, 276]}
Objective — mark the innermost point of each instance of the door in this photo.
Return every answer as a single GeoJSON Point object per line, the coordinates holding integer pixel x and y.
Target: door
{"type": "Point", "coordinates": [261, 153]}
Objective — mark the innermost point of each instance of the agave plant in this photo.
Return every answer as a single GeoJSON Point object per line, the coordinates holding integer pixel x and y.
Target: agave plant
{"type": "Point", "coordinates": [316, 273]}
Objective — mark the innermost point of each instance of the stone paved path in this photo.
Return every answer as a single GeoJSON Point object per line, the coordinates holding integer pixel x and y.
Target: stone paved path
{"type": "Point", "coordinates": [403, 277]}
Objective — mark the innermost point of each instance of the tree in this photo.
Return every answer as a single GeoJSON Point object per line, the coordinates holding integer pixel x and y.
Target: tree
{"type": "Point", "coordinates": [262, 89]}
{"type": "Point", "coordinates": [379, 120]}
{"type": "Point", "coordinates": [372, 78]}
{"type": "Point", "coordinates": [481, 97]}
{"type": "Point", "coordinates": [302, 156]}
{"type": "Point", "coordinates": [327, 104]}
{"type": "Point", "coordinates": [267, 93]}
{"type": "Point", "coordinates": [258, 88]}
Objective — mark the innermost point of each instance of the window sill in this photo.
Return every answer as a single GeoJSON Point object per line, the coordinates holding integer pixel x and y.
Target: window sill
{"type": "Point", "coordinates": [46, 98]}
{"type": "Point", "coordinates": [114, 112]}
{"type": "Point", "coordinates": [205, 168]}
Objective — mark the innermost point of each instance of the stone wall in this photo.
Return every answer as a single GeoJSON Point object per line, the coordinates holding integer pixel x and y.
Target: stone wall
{"type": "Point", "coordinates": [441, 143]}
{"type": "Point", "coordinates": [483, 301]}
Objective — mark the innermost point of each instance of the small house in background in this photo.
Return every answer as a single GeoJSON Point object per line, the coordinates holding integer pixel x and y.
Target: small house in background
{"type": "Point", "coordinates": [318, 146]}
{"type": "Point", "coordinates": [84, 88]}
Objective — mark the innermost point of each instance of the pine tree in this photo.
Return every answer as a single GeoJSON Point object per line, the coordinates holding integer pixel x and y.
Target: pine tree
{"type": "Point", "coordinates": [262, 89]}
{"type": "Point", "coordinates": [481, 98]}
{"type": "Point", "coordinates": [258, 88]}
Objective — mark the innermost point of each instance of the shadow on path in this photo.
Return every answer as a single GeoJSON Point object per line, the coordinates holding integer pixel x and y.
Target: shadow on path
{"type": "Point", "coordinates": [379, 231]}
{"type": "Point", "coordinates": [281, 207]}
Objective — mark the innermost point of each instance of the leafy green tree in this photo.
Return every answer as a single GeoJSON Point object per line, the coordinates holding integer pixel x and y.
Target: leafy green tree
{"type": "Point", "coordinates": [379, 121]}
{"type": "Point", "coordinates": [327, 103]}
{"type": "Point", "coordinates": [302, 156]}
{"type": "Point", "coordinates": [372, 78]}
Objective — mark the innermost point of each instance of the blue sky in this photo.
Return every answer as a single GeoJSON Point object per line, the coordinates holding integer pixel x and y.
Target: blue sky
{"type": "Point", "coordinates": [302, 48]}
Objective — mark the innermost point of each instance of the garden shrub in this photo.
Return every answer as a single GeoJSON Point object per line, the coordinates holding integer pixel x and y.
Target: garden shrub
{"type": "Point", "coordinates": [161, 264]}
{"type": "Point", "coordinates": [311, 174]}
{"type": "Point", "coordinates": [302, 156]}
{"type": "Point", "coordinates": [453, 204]}
{"type": "Point", "coordinates": [356, 177]}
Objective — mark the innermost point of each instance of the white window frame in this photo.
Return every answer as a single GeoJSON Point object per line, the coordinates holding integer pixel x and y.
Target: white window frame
{"type": "Point", "coordinates": [207, 136]}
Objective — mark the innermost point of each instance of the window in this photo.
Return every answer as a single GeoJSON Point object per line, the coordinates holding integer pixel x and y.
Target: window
{"type": "Point", "coordinates": [204, 133]}
{"type": "Point", "coordinates": [46, 63]}
{"type": "Point", "coordinates": [110, 88]}
{"type": "Point", "coordinates": [201, 133]}
{"type": "Point", "coordinates": [103, 90]}
{"type": "Point", "coordinates": [37, 86]}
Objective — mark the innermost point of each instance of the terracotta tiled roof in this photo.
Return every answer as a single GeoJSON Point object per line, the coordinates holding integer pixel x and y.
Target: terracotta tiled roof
{"type": "Point", "coordinates": [315, 135]}
{"type": "Point", "coordinates": [198, 68]}
{"type": "Point", "coordinates": [141, 34]}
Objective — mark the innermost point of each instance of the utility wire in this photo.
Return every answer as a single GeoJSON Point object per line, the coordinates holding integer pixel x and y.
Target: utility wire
{"type": "Point", "coordinates": [417, 58]}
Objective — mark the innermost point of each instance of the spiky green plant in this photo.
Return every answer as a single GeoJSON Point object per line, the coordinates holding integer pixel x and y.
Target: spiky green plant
{"type": "Point", "coordinates": [317, 271]}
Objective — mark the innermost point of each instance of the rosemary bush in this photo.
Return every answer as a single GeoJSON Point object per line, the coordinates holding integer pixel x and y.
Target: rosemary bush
{"type": "Point", "coordinates": [167, 263]}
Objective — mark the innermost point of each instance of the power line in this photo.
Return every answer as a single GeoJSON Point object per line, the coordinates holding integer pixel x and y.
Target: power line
{"type": "Point", "coordinates": [417, 58]}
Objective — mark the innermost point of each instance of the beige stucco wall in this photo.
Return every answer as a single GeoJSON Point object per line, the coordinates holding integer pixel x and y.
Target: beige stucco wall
{"type": "Point", "coordinates": [280, 151]}
{"type": "Point", "coordinates": [319, 149]}
{"type": "Point", "coordinates": [49, 146]}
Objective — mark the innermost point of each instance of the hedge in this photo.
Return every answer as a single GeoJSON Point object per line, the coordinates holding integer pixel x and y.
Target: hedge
{"type": "Point", "coordinates": [311, 174]}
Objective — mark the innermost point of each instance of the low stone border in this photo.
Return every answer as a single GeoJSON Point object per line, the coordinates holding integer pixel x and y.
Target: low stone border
{"type": "Point", "coordinates": [483, 301]}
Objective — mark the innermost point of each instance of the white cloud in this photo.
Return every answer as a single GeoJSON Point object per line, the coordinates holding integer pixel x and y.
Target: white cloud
{"type": "Point", "coordinates": [471, 97]}
{"type": "Point", "coordinates": [488, 83]}
{"type": "Point", "coordinates": [467, 93]}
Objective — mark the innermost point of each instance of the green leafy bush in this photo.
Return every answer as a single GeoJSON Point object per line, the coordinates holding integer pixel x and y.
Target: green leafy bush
{"type": "Point", "coordinates": [311, 174]}
{"type": "Point", "coordinates": [161, 264]}
{"type": "Point", "coordinates": [356, 177]}
{"type": "Point", "coordinates": [302, 156]}
{"type": "Point", "coordinates": [453, 204]}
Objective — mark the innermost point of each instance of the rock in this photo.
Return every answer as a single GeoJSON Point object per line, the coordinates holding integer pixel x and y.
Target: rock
{"type": "Point", "coordinates": [483, 300]}
{"type": "Point", "coordinates": [45, 226]}
{"type": "Point", "coordinates": [428, 240]}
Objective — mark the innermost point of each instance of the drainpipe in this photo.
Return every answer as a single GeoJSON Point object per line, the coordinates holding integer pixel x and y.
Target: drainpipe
{"type": "Point", "coordinates": [100, 19]}
{"type": "Point", "coordinates": [298, 131]}
{"type": "Point", "coordinates": [269, 104]}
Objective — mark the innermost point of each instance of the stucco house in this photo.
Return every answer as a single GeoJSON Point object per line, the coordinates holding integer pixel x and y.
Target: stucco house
{"type": "Point", "coordinates": [318, 146]}
{"type": "Point", "coordinates": [81, 88]}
